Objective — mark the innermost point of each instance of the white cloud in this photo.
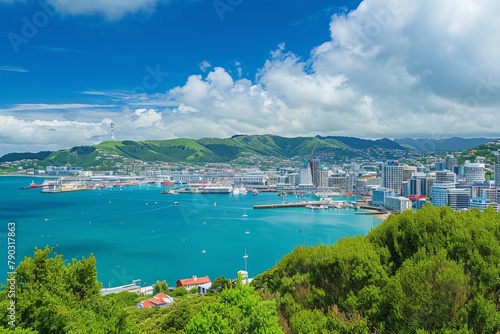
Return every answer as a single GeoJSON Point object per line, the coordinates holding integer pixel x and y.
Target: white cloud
{"type": "Point", "coordinates": [390, 69]}
{"type": "Point", "coordinates": [111, 9]}
{"type": "Point", "coordinates": [13, 69]}
{"type": "Point", "coordinates": [204, 65]}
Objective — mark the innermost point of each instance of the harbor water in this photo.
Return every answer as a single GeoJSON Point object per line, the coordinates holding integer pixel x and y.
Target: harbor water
{"type": "Point", "coordinates": [138, 233]}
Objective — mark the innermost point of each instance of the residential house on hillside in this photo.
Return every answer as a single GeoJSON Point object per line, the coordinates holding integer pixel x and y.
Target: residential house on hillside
{"type": "Point", "coordinates": [159, 300]}
{"type": "Point", "coordinates": [190, 283]}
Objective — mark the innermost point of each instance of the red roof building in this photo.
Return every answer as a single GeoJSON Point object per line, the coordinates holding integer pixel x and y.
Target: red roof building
{"type": "Point", "coordinates": [159, 300]}
{"type": "Point", "coordinates": [192, 282]}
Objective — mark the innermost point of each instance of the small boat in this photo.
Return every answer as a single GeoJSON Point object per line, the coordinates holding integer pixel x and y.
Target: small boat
{"type": "Point", "coordinates": [244, 215]}
{"type": "Point", "coordinates": [215, 204]}
{"type": "Point", "coordinates": [255, 192]}
{"type": "Point", "coordinates": [300, 229]}
{"type": "Point", "coordinates": [176, 203]}
{"type": "Point", "coordinates": [203, 251]}
{"type": "Point", "coordinates": [247, 232]}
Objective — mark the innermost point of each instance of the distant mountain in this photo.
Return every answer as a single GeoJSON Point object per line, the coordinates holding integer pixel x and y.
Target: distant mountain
{"type": "Point", "coordinates": [226, 149]}
{"type": "Point", "coordinates": [448, 144]}
{"type": "Point", "coordinates": [359, 143]}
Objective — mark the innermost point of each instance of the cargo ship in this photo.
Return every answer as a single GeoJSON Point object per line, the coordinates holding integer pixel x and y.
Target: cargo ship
{"type": "Point", "coordinates": [44, 184]}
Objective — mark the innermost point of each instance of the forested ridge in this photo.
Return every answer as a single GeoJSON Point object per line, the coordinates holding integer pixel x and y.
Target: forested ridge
{"type": "Point", "coordinates": [430, 271]}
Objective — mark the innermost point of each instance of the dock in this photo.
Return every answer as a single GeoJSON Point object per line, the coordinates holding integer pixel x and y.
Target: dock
{"type": "Point", "coordinates": [281, 205]}
{"type": "Point", "coordinates": [314, 204]}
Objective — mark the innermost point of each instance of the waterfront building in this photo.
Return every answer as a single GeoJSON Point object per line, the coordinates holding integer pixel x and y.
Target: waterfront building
{"type": "Point", "coordinates": [190, 283]}
{"type": "Point", "coordinates": [323, 178]}
{"type": "Point", "coordinates": [474, 172]}
{"type": "Point", "coordinates": [314, 169]}
{"type": "Point", "coordinates": [439, 193]}
{"type": "Point", "coordinates": [254, 180]}
{"type": "Point", "coordinates": [62, 170]}
{"type": "Point", "coordinates": [392, 175]}
{"type": "Point", "coordinates": [399, 203]}
{"type": "Point", "coordinates": [338, 182]}
{"type": "Point", "coordinates": [293, 179]}
{"type": "Point", "coordinates": [379, 195]}
{"type": "Point", "coordinates": [305, 177]}
{"type": "Point", "coordinates": [364, 185]}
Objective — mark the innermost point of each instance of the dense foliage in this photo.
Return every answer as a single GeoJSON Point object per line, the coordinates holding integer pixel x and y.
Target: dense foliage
{"type": "Point", "coordinates": [20, 156]}
{"type": "Point", "coordinates": [433, 270]}
{"type": "Point", "coordinates": [430, 271]}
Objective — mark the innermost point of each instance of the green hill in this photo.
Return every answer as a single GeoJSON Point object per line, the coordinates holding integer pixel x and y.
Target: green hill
{"type": "Point", "coordinates": [215, 149]}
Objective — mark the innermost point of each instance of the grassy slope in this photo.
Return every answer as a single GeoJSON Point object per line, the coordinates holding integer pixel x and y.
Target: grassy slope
{"type": "Point", "coordinates": [202, 150]}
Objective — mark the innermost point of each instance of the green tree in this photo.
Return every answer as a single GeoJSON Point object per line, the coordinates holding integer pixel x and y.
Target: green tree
{"type": "Point", "coordinates": [429, 293]}
{"type": "Point", "coordinates": [219, 284]}
{"type": "Point", "coordinates": [160, 287]}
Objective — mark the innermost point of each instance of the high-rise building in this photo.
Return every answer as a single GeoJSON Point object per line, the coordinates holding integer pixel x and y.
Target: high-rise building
{"type": "Point", "coordinates": [440, 165]}
{"type": "Point", "coordinates": [497, 179]}
{"type": "Point", "coordinates": [440, 194]}
{"type": "Point", "coordinates": [305, 177]}
{"type": "Point", "coordinates": [458, 199]}
{"type": "Point", "coordinates": [392, 176]}
{"type": "Point", "coordinates": [408, 172]}
{"type": "Point", "coordinates": [323, 178]}
{"type": "Point", "coordinates": [379, 195]}
{"type": "Point", "coordinates": [450, 162]}
{"type": "Point", "coordinates": [474, 172]}
{"type": "Point", "coordinates": [445, 177]}
{"type": "Point", "coordinates": [338, 182]}
{"type": "Point", "coordinates": [418, 185]}
{"type": "Point", "coordinates": [314, 167]}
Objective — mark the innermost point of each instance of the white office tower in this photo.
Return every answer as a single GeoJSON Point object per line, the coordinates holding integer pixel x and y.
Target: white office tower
{"type": "Point", "coordinates": [474, 172]}
{"type": "Point", "coordinates": [392, 176]}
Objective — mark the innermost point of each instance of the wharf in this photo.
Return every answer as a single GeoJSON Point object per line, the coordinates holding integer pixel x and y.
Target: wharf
{"type": "Point", "coordinates": [368, 213]}
{"type": "Point", "coordinates": [280, 205]}
{"type": "Point", "coordinates": [293, 205]}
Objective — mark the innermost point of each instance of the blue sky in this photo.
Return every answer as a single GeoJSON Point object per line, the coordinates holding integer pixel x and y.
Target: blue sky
{"type": "Point", "coordinates": [162, 69]}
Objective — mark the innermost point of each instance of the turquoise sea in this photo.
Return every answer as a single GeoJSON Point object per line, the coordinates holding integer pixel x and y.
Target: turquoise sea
{"type": "Point", "coordinates": [138, 233]}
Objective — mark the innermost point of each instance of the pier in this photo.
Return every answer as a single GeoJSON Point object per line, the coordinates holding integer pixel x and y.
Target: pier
{"type": "Point", "coordinates": [281, 205]}
{"type": "Point", "coordinates": [312, 204]}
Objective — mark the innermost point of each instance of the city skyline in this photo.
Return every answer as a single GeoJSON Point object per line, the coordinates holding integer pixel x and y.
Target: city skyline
{"type": "Point", "coordinates": [168, 69]}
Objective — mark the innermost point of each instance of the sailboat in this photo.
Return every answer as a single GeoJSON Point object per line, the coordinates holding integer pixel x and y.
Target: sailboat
{"type": "Point", "coordinates": [245, 257]}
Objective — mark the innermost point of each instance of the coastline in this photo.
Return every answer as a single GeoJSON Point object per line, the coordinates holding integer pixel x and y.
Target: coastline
{"type": "Point", "coordinates": [382, 216]}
